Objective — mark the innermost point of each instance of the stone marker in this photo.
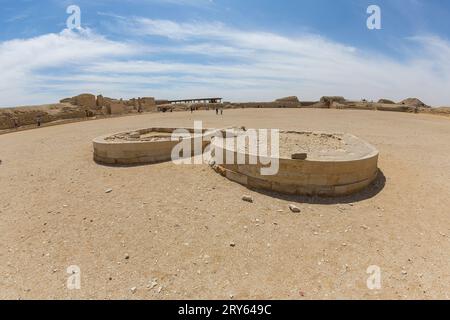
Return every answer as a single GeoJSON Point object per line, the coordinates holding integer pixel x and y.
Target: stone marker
{"type": "Point", "coordinates": [299, 156]}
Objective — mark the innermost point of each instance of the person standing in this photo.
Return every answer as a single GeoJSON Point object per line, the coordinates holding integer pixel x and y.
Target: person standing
{"type": "Point", "coordinates": [38, 121]}
{"type": "Point", "coordinates": [139, 105]}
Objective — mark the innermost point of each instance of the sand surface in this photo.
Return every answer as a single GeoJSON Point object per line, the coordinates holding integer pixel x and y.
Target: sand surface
{"type": "Point", "coordinates": [311, 144]}
{"type": "Point", "coordinates": [289, 143]}
{"type": "Point", "coordinates": [166, 230]}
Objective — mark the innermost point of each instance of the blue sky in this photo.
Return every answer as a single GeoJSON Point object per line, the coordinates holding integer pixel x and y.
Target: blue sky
{"type": "Point", "coordinates": [243, 50]}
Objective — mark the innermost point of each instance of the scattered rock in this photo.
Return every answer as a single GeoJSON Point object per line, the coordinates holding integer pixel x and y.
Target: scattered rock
{"type": "Point", "coordinates": [247, 198]}
{"type": "Point", "coordinates": [108, 190]}
{"type": "Point", "coordinates": [133, 290]}
{"type": "Point", "coordinates": [294, 208]}
{"type": "Point", "coordinates": [127, 256]}
{"type": "Point", "coordinates": [232, 244]}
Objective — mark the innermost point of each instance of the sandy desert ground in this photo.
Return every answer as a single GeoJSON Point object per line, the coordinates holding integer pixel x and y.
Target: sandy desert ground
{"type": "Point", "coordinates": [165, 231]}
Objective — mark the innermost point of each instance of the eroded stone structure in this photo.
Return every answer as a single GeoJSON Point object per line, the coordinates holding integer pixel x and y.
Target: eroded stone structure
{"type": "Point", "coordinates": [143, 146]}
{"type": "Point", "coordinates": [310, 163]}
{"type": "Point", "coordinates": [320, 164]}
{"type": "Point", "coordinates": [108, 106]}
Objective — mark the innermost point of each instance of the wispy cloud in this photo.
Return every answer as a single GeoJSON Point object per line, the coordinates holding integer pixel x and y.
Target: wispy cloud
{"type": "Point", "coordinates": [22, 60]}
{"type": "Point", "coordinates": [18, 17]}
{"type": "Point", "coordinates": [173, 59]}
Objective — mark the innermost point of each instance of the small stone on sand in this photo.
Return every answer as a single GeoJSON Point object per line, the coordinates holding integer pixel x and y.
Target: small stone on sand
{"type": "Point", "coordinates": [299, 156]}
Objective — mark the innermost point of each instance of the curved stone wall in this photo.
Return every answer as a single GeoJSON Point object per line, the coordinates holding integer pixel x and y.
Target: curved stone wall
{"type": "Point", "coordinates": [343, 171]}
{"type": "Point", "coordinates": [129, 148]}
{"type": "Point", "coordinates": [328, 175]}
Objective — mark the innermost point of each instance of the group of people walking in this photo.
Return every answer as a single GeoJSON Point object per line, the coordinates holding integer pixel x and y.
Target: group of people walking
{"type": "Point", "coordinates": [218, 110]}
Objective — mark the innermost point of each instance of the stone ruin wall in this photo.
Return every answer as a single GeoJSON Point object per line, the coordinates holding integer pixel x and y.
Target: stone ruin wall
{"type": "Point", "coordinates": [78, 107]}
{"type": "Point", "coordinates": [336, 176]}
{"type": "Point", "coordinates": [109, 106]}
{"type": "Point", "coordinates": [89, 105]}
{"type": "Point", "coordinates": [28, 115]}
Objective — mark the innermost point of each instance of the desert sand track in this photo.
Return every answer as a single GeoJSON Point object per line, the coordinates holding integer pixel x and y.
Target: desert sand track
{"type": "Point", "coordinates": [182, 232]}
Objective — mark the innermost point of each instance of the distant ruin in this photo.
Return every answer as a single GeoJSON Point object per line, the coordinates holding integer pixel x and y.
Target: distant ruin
{"type": "Point", "coordinates": [110, 106]}
{"type": "Point", "coordinates": [88, 106]}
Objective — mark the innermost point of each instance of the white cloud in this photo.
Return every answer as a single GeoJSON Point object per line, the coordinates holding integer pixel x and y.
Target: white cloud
{"type": "Point", "coordinates": [309, 66]}
{"type": "Point", "coordinates": [21, 61]}
{"type": "Point", "coordinates": [210, 58]}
